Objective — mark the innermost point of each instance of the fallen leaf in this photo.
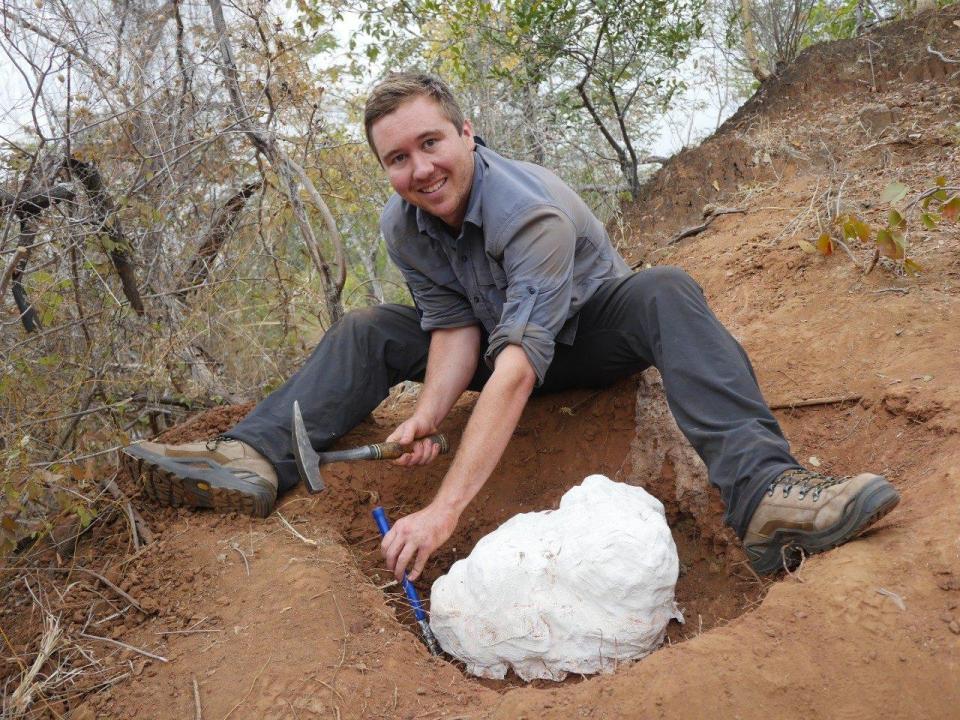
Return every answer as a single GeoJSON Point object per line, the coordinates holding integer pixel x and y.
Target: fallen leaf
{"type": "Point", "coordinates": [825, 245]}
{"type": "Point", "coordinates": [951, 209]}
{"type": "Point", "coordinates": [894, 192]}
{"type": "Point", "coordinates": [885, 243]}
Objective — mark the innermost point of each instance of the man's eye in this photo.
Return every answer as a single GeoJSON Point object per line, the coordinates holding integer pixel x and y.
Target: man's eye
{"type": "Point", "coordinates": [397, 159]}
{"type": "Point", "coordinates": [429, 143]}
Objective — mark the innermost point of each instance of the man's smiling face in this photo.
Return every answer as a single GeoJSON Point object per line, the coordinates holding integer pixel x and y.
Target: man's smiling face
{"type": "Point", "coordinates": [429, 163]}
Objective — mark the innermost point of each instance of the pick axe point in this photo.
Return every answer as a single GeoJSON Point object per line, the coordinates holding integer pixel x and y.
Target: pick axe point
{"type": "Point", "coordinates": [308, 460]}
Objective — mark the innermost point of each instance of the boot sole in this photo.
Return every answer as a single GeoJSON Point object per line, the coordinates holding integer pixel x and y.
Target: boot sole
{"type": "Point", "coordinates": [178, 483]}
{"type": "Point", "coordinates": [871, 503]}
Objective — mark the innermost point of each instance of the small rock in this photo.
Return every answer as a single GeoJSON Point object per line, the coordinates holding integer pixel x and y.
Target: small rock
{"type": "Point", "coordinates": [84, 712]}
{"type": "Point", "coordinates": [878, 117]}
{"type": "Point", "coordinates": [949, 583]}
{"type": "Point", "coordinates": [149, 605]}
{"type": "Point", "coordinates": [954, 627]}
{"type": "Point", "coordinates": [421, 691]}
{"type": "Point", "coordinates": [947, 618]}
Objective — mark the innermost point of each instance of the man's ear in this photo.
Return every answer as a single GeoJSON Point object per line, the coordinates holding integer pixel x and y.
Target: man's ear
{"type": "Point", "coordinates": [467, 134]}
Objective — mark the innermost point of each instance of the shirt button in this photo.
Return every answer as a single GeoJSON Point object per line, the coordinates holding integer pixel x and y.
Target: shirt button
{"type": "Point", "coordinates": [476, 298]}
{"type": "Point", "coordinates": [532, 290]}
{"type": "Point", "coordinates": [463, 258]}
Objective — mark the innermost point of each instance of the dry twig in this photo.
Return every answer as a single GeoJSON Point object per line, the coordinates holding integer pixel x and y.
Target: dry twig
{"type": "Point", "coordinates": [138, 526]}
{"type": "Point", "coordinates": [99, 577]}
{"type": "Point", "coordinates": [297, 533]}
{"type": "Point", "coordinates": [246, 564]}
{"type": "Point", "coordinates": [249, 690]}
{"type": "Point", "coordinates": [23, 696]}
{"type": "Point", "coordinates": [830, 400]}
{"type": "Point", "coordinates": [697, 229]}
{"type": "Point", "coordinates": [126, 646]}
{"type": "Point", "coordinates": [196, 700]}
{"type": "Point", "coordinates": [941, 56]}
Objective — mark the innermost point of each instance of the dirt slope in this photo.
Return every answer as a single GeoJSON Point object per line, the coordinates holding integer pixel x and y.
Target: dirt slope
{"type": "Point", "coordinates": [272, 625]}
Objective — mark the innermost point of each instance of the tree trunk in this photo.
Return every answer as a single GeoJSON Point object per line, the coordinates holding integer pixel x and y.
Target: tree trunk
{"type": "Point", "coordinates": [291, 175]}
{"type": "Point", "coordinates": [750, 42]}
{"type": "Point", "coordinates": [28, 314]}
{"type": "Point", "coordinates": [223, 223]}
{"type": "Point", "coordinates": [107, 221]}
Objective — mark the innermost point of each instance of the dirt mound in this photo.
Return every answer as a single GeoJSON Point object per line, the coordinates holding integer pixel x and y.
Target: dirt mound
{"type": "Point", "coordinates": [294, 617]}
{"type": "Point", "coordinates": [800, 121]}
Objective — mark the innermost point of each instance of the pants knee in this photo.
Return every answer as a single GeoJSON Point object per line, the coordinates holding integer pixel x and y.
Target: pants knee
{"type": "Point", "coordinates": [356, 322]}
{"type": "Point", "coordinates": [387, 333]}
{"type": "Point", "coordinates": [665, 282]}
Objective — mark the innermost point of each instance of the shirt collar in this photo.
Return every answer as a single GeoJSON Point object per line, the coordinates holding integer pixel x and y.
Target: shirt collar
{"type": "Point", "coordinates": [435, 228]}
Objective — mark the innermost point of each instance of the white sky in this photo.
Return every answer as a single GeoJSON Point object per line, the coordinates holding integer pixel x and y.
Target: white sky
{"type": "Point", "coordinates": [696, 114]}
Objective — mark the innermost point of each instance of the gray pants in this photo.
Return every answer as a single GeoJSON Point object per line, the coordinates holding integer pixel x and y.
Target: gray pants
{"type": "Point", "coordinates": [656, 317]}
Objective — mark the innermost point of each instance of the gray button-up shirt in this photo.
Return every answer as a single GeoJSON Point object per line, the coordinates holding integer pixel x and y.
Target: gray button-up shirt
{"type": "Point", "coordinates": [528, 257]}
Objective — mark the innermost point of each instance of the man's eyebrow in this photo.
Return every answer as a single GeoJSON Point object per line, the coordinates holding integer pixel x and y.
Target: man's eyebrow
{"type": "Point", "coordinates": [425, 134]}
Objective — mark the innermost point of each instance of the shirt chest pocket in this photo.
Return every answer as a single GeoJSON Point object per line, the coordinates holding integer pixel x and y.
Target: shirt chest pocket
{"type": "Point", "coordinates": [443, 274]}
{"type": "Point", "coordinates": [491, 273]}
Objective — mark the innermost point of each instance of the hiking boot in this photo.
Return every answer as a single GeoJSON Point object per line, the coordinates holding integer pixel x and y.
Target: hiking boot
{"type": "Point", "coordinates": [223, 474]}
{"type": "Point", "coordinates": [805, 512]}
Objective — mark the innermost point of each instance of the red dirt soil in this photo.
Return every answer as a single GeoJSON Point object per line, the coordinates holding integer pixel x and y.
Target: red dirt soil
{"type": "Point", "coordinates": [271, 623]}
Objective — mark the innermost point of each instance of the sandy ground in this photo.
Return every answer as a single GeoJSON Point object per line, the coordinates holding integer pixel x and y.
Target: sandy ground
{"type": "Point", "coordinates": [293, 616]}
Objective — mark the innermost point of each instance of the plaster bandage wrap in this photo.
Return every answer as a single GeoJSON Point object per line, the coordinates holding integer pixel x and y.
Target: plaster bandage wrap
{"type": "Point", "coordinates": [578, 589]}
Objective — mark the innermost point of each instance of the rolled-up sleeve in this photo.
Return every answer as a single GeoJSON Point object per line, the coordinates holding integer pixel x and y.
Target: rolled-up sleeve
{"type": "Point", "coordinates": [439, 305]}
{"type": "Point", "coordinates": [537, 257]}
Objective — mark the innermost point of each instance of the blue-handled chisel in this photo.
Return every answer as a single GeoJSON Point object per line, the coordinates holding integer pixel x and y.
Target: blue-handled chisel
{"type": "Point", "coordinates": [383, 524]}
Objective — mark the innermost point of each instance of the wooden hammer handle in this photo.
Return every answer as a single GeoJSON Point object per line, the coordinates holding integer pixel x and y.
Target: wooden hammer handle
{"type": "Point", "coordinates": [393, 450]}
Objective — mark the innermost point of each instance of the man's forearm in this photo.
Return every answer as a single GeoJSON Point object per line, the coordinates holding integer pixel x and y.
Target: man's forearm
{"type": "Point", "coordinates": [491, 425]}
{"type": "Point", "coordinates": [451, 364]}
{"type": "Point", "coordinates": [492, 422]}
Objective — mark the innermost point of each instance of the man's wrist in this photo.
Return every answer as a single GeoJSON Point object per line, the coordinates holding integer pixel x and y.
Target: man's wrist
{"type": "Point", "coordinates": [426, 417]}
{"type": "Point", "coordinates": [451, 506]}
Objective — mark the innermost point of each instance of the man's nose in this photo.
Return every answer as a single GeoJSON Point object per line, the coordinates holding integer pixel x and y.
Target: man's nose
{"type": "Point", "coordinates": [422, 167]}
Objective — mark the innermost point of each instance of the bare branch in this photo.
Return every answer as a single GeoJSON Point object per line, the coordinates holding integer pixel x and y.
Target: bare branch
{"type": "Point", "coordinates": [290, 173]}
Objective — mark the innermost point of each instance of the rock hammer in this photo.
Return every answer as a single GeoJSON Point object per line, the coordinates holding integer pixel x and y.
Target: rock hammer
{"type": "Point", "coordinates": [309, 460]}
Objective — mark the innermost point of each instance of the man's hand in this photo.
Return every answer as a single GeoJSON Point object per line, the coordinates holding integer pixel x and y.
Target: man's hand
{"type": "Point", "coordinates": [422, 451]}
{"type": "Point", "coordinates": [415, 537]}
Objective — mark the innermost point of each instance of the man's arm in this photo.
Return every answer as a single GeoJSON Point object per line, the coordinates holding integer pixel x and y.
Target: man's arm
{"type": "Point", "coordinates": [494, 418]}
{"type": "Point", "coordinates": [451, 364]}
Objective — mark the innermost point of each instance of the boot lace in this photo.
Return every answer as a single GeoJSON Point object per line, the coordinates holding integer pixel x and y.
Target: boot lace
{"type": "Point", "coordinates": [214, 442]}
{"type": "Point", "coordinates": [806, 481]}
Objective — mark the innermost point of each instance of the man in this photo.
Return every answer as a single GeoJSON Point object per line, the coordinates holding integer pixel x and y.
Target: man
{"type": "Point", "coordinates": [518, 291]}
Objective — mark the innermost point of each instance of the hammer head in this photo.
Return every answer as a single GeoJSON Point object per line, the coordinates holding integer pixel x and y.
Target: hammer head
{"type": "Point", "coordinates": [308, 460]}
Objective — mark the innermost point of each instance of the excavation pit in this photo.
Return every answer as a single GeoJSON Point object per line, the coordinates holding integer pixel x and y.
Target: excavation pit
{"type": "Point", "coordinates": [561, 439]}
